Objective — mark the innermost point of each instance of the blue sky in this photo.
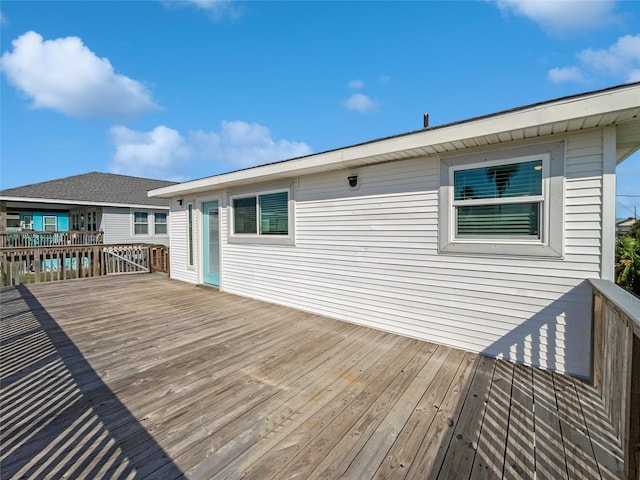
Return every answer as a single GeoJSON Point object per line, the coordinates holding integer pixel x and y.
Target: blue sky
{"type": "Point", "coordinates": [187, 89]}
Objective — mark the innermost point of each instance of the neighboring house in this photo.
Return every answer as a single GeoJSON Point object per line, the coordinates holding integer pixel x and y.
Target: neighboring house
{"type": "Point", "coordinates": [479, 234]}
{"type": "Point", "coordinates": [623, 227]}
{"type": "Point", "coordinates": [117, 205]}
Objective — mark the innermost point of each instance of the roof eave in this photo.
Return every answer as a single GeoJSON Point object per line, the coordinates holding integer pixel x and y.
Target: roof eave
{"type": "Point", "coordinates": [568, 114]}
{"type": "Point", "coordinates": [70, 203]}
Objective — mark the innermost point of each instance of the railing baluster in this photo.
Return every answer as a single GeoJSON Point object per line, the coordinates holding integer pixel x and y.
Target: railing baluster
{"type": "Point", "coordinates": [32, 238]}
{"type": "Point", "coordinates": [64, 262]}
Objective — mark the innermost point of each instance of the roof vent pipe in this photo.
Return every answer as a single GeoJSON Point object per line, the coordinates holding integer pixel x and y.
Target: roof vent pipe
{"type": "Point", "coordinates": [426, 120]}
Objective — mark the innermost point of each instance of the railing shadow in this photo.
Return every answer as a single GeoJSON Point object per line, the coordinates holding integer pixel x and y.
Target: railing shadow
{"type": "Point", "coordinates": [514, 421]}
{"type": "Point", "coordinates": [58, 417]}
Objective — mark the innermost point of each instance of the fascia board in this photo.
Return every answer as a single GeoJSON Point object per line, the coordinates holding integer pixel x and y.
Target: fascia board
{"type": "Point", "coordinates": [81, 202]}
{"type": "Point", "coordinates": [596, 104]}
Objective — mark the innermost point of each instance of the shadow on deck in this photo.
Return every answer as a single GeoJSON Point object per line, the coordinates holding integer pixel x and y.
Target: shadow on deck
{"type": "Point", "coordinates": [143, 377]}
{"type": "Point", "coordinates": [513, 421]}
{"type": "Point", "coordinates": [59, 419]}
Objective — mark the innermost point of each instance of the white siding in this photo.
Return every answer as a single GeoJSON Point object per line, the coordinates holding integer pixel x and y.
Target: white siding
{"type": "Point", "coordinates": [117, 224]}
{"type": "Point", "coordinates": [178, 247]}
{"type": "Point", "coordinates": [370, 256]}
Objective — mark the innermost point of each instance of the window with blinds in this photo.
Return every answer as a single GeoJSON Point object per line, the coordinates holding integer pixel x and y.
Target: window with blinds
{"type": "Point", "coordinates": [499, 201]}
{"type": "Point", "coordinates": [274, 213]}
{"type": "Point", "coordinates": [160, 223]}
{"type": "Point", "coordinates": [264, 214]}
{"type": "Point", "coordinates": [140, 223]}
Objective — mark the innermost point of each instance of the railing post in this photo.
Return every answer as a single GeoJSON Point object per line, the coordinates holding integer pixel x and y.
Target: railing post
{"type": "Point", "coordinates": [596, 363]}
{"type": "Point", "coordinates": [94, 261]}
{"type": "Point", "coordinates": [616, 365]}
{"type": "Point", "coordinates": [3, 271]}
{"type": "Point", "coordinates": [634, 413]}
{"type": "Point", "coordinates": [36, 265]}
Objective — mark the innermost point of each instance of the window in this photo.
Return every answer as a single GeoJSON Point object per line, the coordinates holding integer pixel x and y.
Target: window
{"type": "Point", "coordinates": [160, 223]}
{"type": "Point", "coordinates": [503, 202]}
{"type": "Point", "coordinates": [28, 222]}
{"type": "Point", "coordinates": [13, 222]}
{"type": "Point", "coordinates": [190, 233]}
{"type": "Point", "coordinates": [85, 220]}
{"type": "Point", "coordinates": [500, 201]}
{"type": "Point", "coordinates": [266, 214]}
{"type": "Point", "coordinates": [262, 217]}
{"type": "Point", "coordinates": [245, 215]}
{"type": "Point", "coordinates": [74, 218]}
{"type": "Point", "coordinates": [50, 223]}
{"type": "Point", "coordinates": [274, 213]}
{"type": "Point", "coordinates": [78, 220]}
{"type": "Point", "coordinates": [92, 220]}
{"type": "Point", "coordinates": [140, 223]}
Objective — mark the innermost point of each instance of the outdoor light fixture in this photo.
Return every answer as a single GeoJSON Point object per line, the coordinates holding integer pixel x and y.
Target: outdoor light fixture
{"type": "Point", "coordinates": [353, 181]}
{"type": "Point", "coordinates": [180, 201]}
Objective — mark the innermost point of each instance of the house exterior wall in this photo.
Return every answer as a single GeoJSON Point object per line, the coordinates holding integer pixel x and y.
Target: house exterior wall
{"type": "Point", "coordinates": [371, 256]}
{"type": "Point", "coordinates": [117, 224]}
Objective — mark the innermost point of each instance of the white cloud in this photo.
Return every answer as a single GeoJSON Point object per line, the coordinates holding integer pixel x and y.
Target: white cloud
{"type": "Point", "coordinates": [361, 103]}
{"type": "Point", "coordinates": [566, 74]}
{"type": "Point", "coordinates": [64, 75]}
{"type": "Point", "coordinates": [160, 153]}
{"type": "Point", "coordinates": [240, 144]}
{"type": "Point", "coordinates": [621, 61]}
{"type": "Point", "coordinates": [165, 153]}
{"type": "Point", "coordinates": [355, 84]}
{"type": "Point", "coordinates": [563, 16]}
{"type": "Point", "coordinates": [634, 75]}
{"type": "Point", "coordinates": [215, 8]}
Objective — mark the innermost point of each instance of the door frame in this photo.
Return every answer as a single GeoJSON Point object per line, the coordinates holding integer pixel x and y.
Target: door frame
{"type": "Point", "coordinates": [201, 236]}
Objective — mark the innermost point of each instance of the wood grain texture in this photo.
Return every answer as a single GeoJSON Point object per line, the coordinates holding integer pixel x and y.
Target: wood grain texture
{"type": "Point", "coordinates": [139, 376]}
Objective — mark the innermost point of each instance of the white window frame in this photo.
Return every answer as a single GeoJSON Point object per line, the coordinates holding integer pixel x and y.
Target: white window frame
{"type": "Point", "coordinates": [190, 224]}
{"type": "Point", "coordinates": [44, 223]}
{"type": "Point", "coordinates": [147, 223]}
{"type": "Point", "coordinates": [165, 223]}
{"type": "Point", "coordinates": [288, 239]}
{"type": "Point", "coordinates": [502, 201]}
{"type": "Point", "coordinates": [550, 243]}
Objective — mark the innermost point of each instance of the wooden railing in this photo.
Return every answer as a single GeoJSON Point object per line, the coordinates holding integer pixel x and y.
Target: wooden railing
{"type": "Point", "coordinates": [160, 259]}
{"type": "Point", "coordinates": [28, 238]}
{"type": "Point", "coordinates": [616, 365]}
{"type": "Point", "coordinates": [44, 264]}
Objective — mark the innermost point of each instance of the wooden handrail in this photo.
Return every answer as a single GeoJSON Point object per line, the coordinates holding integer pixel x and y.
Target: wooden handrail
{"type": "Point", "coordinates": [616, 365]}
{"type": "Point", "coordinates": [63, 262]}
{"type": "Point", "coordinates": [32, 238]}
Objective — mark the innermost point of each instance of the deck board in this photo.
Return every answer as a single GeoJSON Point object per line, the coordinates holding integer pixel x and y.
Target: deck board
{"type": "Point", "coordinates": [139, 376]}
{"type": "Point", "coordinates": [490, 453]}
{"type": "Point", "coordinates": [463, 446]}
{"type": "Point", "coordinates": [519, 458]}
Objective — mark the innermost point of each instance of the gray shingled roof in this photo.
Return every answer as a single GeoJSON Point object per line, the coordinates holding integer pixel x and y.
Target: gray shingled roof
{"type": "Point", "coordinates": [93, 187]}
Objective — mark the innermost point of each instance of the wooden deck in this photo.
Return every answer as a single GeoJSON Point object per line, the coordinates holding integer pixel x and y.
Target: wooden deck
{"type": "Point", "coordinates": [139, 376]}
